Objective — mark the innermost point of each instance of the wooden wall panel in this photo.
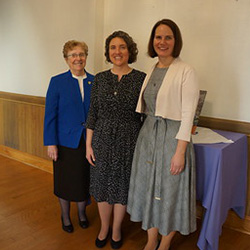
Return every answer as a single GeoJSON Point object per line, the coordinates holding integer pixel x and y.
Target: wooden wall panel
{"type": "Point", "coordinates": [248, 180]}
{"type": "Point", "coordinates": [1, 123]}
{"type": "Point", "coordinates": [10, 124]}
{"type": "Point", "coordinates": [21, 125]}
{"type": "Point", "coordinates": [223, 124]}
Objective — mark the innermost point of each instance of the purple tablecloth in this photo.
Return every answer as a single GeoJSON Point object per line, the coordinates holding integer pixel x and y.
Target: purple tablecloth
{"type": "Point", "coordinates": [221, 184]}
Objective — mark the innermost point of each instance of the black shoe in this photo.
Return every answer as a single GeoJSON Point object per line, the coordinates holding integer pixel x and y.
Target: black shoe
{"type": "Point", "coordinates": [68, 229]}
{"type": "Point", "coordinates": [84, 223]}
{"type": "Point", "coordinates": [116, 244]}
{"type": "Point", "coordinates": [102, 243]}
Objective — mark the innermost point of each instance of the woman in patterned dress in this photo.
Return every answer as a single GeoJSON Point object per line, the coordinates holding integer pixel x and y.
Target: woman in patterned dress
{"type": "Point", "coordinates": [112, 130]}
{"type": "Point", "coordinates": [162, 184]}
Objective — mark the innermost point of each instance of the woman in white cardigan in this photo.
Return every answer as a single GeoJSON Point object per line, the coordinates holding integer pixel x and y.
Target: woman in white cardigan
{"type": "Point", "coordinates": [162, 184]}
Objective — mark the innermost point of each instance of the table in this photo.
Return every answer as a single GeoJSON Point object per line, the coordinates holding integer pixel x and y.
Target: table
{"type": "Point", "coordinates": [221, 184]}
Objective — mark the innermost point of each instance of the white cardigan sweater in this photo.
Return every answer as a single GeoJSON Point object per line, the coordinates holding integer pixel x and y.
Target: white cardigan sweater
{"type": "Point", "coordinates": [177, 97]}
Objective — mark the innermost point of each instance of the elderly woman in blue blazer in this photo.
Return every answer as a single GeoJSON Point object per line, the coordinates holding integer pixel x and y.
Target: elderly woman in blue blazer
{"type": "Point", "coordinates": [67, 105]}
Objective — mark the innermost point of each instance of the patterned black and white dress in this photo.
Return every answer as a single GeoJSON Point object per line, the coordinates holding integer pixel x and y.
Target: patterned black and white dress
{"type": "Point", "coordinates": [116, 126]}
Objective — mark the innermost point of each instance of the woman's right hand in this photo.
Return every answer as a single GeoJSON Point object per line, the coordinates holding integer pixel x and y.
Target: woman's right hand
{"type": "Point", "coordinates": [90, 155]}
{"type": "Point", "coordinates": [53, 152]}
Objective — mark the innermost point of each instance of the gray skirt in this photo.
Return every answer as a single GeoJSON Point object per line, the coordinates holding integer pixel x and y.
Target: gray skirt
{"type": "Point", "coordinates": [157, 198]}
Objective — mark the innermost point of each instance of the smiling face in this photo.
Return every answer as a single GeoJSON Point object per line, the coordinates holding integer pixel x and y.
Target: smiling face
{"type": "Point", "coordinates": [76, 59]}
{"type": "Point", "coordinates": [164, 41]}
{"type": "Point", "coordinates": [118, 52]}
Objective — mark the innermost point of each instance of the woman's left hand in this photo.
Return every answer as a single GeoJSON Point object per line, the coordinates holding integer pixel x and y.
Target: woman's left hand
{"type": "Point", "coordinates": [177, 164]}
{"type": "Point", "coordinates": [178, 160]}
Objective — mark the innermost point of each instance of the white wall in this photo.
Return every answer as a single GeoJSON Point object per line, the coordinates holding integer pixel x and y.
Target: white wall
{"type": "Point", "coordinates": [216, 42]}
{"type": "Point", "coordinates": [32, 34]}
{"type": "Point", "coordinates": [215, 34]}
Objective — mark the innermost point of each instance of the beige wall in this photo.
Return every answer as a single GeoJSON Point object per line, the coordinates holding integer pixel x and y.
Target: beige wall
{"type": "Point", "coordinates": [215, 34]}
{"type": "Point", "coordinates": [216, 43]}
{"type": "Point", "coordinates": [32, 34]}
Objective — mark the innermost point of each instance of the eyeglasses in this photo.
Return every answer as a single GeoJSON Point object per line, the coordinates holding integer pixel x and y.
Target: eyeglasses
{"type": "Point", "coordinates": [81, 55]}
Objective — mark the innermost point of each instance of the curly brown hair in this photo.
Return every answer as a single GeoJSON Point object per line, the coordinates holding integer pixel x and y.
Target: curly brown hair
{"type": "Point", "coordinates": [177, 36]}
{"type": "Point", "coordinates": [132, 47]}
{"type": "Point", "coordinates": [70, 45]}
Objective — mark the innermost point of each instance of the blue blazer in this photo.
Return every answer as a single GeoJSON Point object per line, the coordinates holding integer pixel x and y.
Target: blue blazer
{"type": "Point", "coordinates": [65, 112]}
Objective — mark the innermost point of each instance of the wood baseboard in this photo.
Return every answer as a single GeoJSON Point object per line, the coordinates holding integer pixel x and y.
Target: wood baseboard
{"type": "Point", "coordinates": [233, 221]}
{"type": "Point", "coordinates": [26, 158]}
{"type": "Point", "coordinates": [236, 223]}
{"type": "Point", "coordinates": [223, 124]}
